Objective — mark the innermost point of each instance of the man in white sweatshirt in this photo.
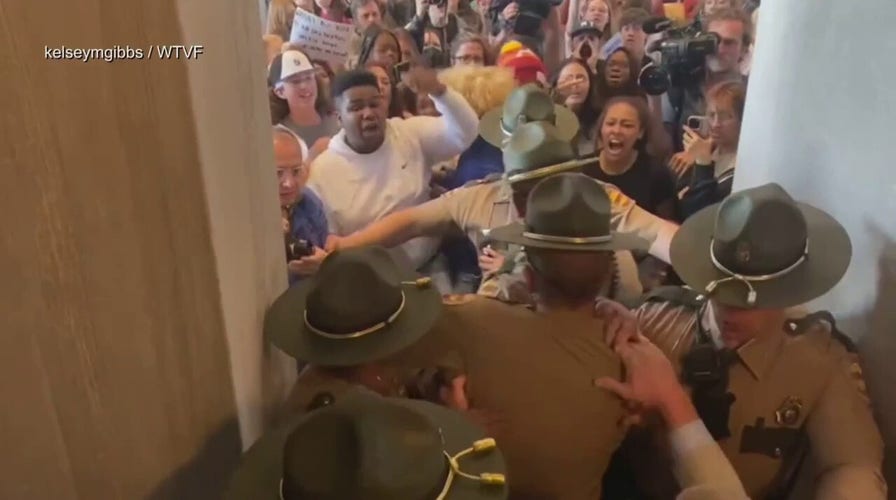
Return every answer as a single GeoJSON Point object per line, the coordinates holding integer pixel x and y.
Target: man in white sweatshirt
{"type": "Point", "coordinates": [375, 166]}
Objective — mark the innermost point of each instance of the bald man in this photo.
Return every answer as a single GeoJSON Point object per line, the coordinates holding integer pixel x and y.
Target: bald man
{"type": "Point", "coordinates": [304, 220]}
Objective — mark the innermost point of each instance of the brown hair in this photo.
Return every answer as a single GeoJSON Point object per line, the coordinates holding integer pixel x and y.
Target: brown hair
{"type": "Point", "coordinates": [733, 14]}
{"type": "Point", "coordinates": [734, 91]}
{"type": "Point", "coordinates": [357, 4]}
{"type": "Point", "coordinates": [467, 37]}
{"type": "Point", "coordinates": [280, 14]}
{"type": "Point", "coordinates": [633, 16]}
{"type": "Point", "coordinates": [396, 104]}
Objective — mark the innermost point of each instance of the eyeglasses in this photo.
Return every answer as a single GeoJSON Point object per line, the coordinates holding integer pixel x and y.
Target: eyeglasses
{"type": "Point", "coordinates": [469, 59]}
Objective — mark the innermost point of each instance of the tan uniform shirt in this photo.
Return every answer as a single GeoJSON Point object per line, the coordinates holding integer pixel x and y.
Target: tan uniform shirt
{"type": "Point", "coordinates": [812, 374]}
{"type": "Point", "coordinates": [480, 207]}
{"type": "Point", "coordinates": [535, 372]}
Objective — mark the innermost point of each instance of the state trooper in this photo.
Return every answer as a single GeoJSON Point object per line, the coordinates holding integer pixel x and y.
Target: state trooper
{"type": "Point", "coordinates": [535, 136]}
{"type": "Point", "coordinates": [772, 388]}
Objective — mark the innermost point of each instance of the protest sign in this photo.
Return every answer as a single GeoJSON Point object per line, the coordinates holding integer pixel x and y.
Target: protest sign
{"type": "Point", "coordinates": [319, 38]}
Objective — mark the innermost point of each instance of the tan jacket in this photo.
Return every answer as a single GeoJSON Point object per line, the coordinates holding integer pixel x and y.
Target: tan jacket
{"type": "Point", "coordinates": [535, 372]}
{"type": "Point", "coordinates": [812, 374]}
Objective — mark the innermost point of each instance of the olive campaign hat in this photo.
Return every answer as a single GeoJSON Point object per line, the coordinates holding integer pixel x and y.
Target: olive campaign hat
{"type": "Point", "coordinates": [526, 104]}
{"type": "Point", "coordinates": [366, 447]}
{"type": "Point", "coordinates": [568, 212]}
{"type": "Point", "coordinates": [359, 307]}
{"type": "Point", "coordinates": [760, 248]}
{"type": "Point", "coordinates": [536, 150]}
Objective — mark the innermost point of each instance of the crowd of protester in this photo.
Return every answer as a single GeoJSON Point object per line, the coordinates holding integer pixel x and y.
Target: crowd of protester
{"type": "Point", "coordinates": [489, 205]}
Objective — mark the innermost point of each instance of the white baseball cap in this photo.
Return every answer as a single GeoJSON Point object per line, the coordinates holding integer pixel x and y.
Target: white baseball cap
{"type": "Point", "coordinates": [287, 64]}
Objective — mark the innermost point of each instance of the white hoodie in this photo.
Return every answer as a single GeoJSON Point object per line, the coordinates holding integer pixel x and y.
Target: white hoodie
{"type": "Point", "coordinates": [357, 189]}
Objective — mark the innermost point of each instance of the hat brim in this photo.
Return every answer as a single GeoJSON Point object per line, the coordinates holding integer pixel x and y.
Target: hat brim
{"type": "Point", "coordinates": [258, 476]}
{"type": "Point", "coordinates": [516, 177]}
{"type": "Point", "coordinates": [284, 326]}
{"type": "Point", "coordinates": [566, 123]}
{"type": "Point", "coordinates": [514, 234]}
{"type": "Point", "coordinates": [830, 252]}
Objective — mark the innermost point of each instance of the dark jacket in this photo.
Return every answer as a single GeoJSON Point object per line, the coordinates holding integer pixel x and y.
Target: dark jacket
{"type": "Point", "coordinates": [705, 189]}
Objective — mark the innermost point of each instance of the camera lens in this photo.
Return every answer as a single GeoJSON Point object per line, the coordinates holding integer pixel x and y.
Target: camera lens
{"type": "Point", "coordinates": [654, 80]}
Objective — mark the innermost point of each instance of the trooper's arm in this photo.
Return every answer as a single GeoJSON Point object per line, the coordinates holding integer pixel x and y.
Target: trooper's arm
{"type": "Point", "coordinates": [430, 218]}
{"type": "Point", "coordinates": [628, 217]}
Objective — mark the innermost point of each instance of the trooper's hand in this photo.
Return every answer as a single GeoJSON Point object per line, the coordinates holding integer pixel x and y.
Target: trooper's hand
{"type": "Point", "coordinates": [423, 80]}
{"type": "Point", "coordinates": [333, 243]}
{"type": "Point", "coordinates": [650, 382]}
{"type": "Point", "coordinates": [620, 324]}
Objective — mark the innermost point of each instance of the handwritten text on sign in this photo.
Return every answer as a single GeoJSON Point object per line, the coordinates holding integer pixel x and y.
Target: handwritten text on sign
{"type": "Point", "coordinates": [320, 38]}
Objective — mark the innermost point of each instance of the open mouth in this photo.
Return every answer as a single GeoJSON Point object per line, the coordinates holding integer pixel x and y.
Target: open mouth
{"type": "Point", "coordinates": [585, 51]}
{"type": "Point", "coordinates": [370, 128]}
{"type": "Point", "coordinates": [615, 146]}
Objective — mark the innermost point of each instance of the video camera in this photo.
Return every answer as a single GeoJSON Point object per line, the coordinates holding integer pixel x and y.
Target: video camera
{"type": "Point", "coordinates": [683, 53]}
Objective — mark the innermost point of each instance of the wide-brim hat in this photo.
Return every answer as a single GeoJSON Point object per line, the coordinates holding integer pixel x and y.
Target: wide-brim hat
{"type": "Point", "coordinates": [262, 467]}
{"type": "Point", "coordinates": [759, 236]}
{"type": "Point", "coordinates": [568, 211]}
{"type": "Point", "coordinates": [359, 307]}
{"type": "Point", "coordinates": [528, 103]}
{"type": "Point", "coordinates": [537, 150]}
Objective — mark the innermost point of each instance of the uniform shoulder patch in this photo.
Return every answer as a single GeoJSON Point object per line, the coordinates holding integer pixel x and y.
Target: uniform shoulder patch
{"type": "Point", "coordinates": [618, 200]}
{"type": "Point", "coordinates": [824, 321]}
{"type": "Point", "coordinates": [457, 299]}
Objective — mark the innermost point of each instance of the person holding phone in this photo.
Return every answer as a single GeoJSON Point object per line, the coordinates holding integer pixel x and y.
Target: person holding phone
{"type": "Point", "coordinates": [304, 221]}
{"type": "Point", "coordinates": [706, 166]}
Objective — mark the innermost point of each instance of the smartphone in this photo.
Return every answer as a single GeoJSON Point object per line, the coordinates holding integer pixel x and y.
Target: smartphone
{"type": "Point", "coordinates": [400, 69]}
{"type": "Point", "coordinates": [698, 124]}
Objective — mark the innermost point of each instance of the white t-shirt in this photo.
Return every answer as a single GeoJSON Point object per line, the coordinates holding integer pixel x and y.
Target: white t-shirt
{"type": "Point", "coordinates": [357, 189]}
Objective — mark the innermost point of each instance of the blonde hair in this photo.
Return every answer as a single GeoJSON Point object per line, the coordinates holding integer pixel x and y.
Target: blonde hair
{"type": "Point", "coordinates": [272, 45]}
{"type": "Point", "coordinates": [280, 15]}
{"type": "Point", "coordinates": [484, 87]}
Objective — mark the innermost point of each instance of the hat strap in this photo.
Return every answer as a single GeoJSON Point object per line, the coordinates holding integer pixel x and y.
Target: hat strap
{"type": "Point", "coordinates": [489, 478]}
{"type": "Point", "coordinates": [419, 283]}
{"type": "Point", "coordinates": [584, 240]}
{"type": "Point", "coordinates": [520, 120]}
{"type": "Point", "coordinates": [748, 279]}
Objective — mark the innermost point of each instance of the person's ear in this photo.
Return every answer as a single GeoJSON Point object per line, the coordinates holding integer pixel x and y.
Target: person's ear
{"type": "Point", "coordinates": [279, 91]}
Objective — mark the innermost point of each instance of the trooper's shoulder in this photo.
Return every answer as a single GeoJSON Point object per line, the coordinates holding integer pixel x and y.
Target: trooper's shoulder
{"type": "Point", "coordinates": [458, 299]}
{"type": "Point", "coordinates": [488, 179]}
{"type": "Point", "coordinates": [820, 328]}
{"type": "Point", "coordinates": [619, 200]}
{"type": "Point", "coordinates": [674, 295]}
